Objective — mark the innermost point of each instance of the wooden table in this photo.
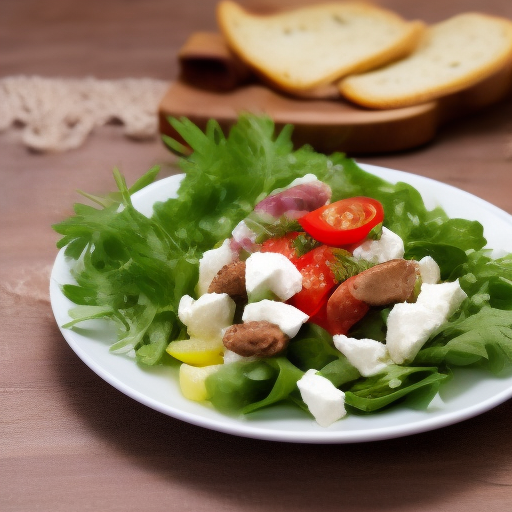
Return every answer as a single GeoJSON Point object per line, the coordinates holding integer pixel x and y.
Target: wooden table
{"type": "Point", "coordinates": [71, 442]}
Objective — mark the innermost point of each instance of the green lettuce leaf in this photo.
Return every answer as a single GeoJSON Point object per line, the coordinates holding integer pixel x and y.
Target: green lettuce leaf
{"type": "Point", "coordinates": [313, 348]}
{"type": "Point", "coordinates": [485, 337]}
{"type": "Point", "coordinates": [284, 386]}
{"type": "Point", "coordinates": [487, 281]}
{"type": "Point", "coordinates": [418, 385]}
{"type": "Point", "coordinates": [226, 176]}
{"type": "Point", "coordinates": [238, 385]}
{"type": "Point", "coordinates": [127, 270]}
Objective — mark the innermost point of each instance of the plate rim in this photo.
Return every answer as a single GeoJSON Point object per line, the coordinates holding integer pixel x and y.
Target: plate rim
{"type": "Point", "coordinates": [243, 428]}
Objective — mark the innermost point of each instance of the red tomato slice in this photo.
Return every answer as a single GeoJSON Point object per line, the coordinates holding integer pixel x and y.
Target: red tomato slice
{"type": "Point", "coordinates": [317, 280]}
{"type": "Point", "coordinates": [343, 222]}
{"type": "Point", "coordinates": [282, 245]}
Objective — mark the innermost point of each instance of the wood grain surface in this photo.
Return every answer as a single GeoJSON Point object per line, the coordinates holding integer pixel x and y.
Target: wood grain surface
{"type": "Point", "coordinates": [71, 442]}
{"type": "Point", "coordinates": [213, 83]}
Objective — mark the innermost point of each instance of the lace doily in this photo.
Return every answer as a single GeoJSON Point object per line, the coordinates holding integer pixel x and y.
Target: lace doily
{"type": "Point", "coordinates": [59, 114]}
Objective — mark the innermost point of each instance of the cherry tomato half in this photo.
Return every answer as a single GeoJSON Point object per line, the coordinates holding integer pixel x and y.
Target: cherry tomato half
{"type": "Point", "coordinates": [282, 245]}
{"type": "Point", "coordinates": [318, 279]}
{"type": "Point", "coordinates": [343, 222]}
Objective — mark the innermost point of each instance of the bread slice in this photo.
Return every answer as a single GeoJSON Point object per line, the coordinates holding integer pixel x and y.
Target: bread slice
{"type": "Point", "coordinates": [452, 56]}
{"type": "Point", "coordinates": [310, 47]}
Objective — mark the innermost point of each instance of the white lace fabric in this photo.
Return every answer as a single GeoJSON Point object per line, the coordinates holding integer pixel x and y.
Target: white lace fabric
{"type": "Point", "coordinates": [57, 114]}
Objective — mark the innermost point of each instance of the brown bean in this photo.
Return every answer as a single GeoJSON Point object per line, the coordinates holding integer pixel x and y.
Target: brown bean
{"type": "Point", "coordinates": [260, 338]}
{"type": "Point", "coordinates": [231, 280]}
{"type": "Point", "coordinates": [392, 281]}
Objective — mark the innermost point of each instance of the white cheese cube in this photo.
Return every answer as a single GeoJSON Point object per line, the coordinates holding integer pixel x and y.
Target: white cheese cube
{"type": "Point", "coordinates": [368, 356]}
{"type": "Point", "coordinates": [429, 270]}
{"type": "Point", "coordinates": [288, 318]}
{"type": "Point", "coordinates": [242, 233]}
{"type": "Point", "coordinates": [207, 316]}
{"type": "Point", "coordinates": [210, 264]}
{"type": "Point", "coordinates": [411, 324]}
{"type": "Point", "coordinates": [233, 357]}
{"type": "Point", "coordinates": [443, 298]}
{"type": "Point", "coordinates": [185, 308]}
{"type": "Point", "coordinates": [409, 327]}
{"type": "Point", "coordinates": [272, 272]}
{"type": "Point", "coordinates": [325, 402]}
{"type": "Point", "coordinates": [389, 247]}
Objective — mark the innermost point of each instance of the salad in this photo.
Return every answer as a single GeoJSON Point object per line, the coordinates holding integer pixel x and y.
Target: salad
{"type": "Point", "coordinates": [144, 276]}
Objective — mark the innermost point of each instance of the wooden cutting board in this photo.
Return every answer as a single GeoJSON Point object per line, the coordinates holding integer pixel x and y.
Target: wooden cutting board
{"type": "Point", "coordinates": [214, 85]}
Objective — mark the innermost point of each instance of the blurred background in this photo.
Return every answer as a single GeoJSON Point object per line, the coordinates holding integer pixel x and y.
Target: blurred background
{"type": "Point", "coordinates": [140, 38]}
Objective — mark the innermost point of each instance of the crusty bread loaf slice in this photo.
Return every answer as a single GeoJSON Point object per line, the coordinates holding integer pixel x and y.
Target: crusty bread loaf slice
{"type": "Point", "coordinates": [309, 47]}
{"type": "Point", "coordinates": [453, 55]}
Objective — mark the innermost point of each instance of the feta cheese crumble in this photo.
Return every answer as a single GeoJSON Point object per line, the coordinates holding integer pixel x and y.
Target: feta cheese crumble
{"type": "Point", "coordinates": [272, 272]}
{"type": "Point", "coordinates": [368, 356]}
{"type": "Point", "coordinates": [288, 318]}
{"type": "Point", "coordinates": [429, 270]}
{"type": "Point", "coordinates": [389, 247]}
{"type": "Point", "coordinates": [207, 316]}
{"type": "Point", "coordinates": [325, 402]}
{"type": "Point", "coordinates": [242, 233]}
{"type": "Point", "coordinates": [411, 324]}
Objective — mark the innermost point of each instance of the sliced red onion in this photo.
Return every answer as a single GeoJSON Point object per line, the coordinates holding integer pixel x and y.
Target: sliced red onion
{"type": "Point", "coordinates": [296, 201]}
{"type": "Point", "coordinates": [292, 202]}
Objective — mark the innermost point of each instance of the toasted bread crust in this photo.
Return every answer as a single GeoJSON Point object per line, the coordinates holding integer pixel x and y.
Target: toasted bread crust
{"type": "Point", "coordinates": [291, 66]}
{"type": "Point", "coordinates": [420, 78]}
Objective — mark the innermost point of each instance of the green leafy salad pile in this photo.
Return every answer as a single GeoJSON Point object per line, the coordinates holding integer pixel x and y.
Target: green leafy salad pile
{"type": "Point", "coordinates": [133, 270]}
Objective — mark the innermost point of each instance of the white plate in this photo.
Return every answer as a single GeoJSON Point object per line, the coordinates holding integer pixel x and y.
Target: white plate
{"type": "Point", "coordinates": [471, 392]}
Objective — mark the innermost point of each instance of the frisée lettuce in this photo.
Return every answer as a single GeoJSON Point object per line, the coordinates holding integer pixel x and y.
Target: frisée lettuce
{"type": "Point", "coordinates": [133, 270]}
